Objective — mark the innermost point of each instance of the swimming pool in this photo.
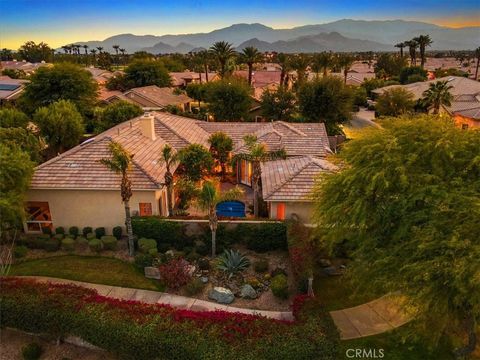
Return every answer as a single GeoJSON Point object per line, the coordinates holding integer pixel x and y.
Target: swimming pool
{"type": "Point", "coordinates": [231, 209]}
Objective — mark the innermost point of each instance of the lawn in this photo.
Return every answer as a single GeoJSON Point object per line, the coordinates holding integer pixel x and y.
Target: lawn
{"type": "Point", "coordinates": [93, 269]}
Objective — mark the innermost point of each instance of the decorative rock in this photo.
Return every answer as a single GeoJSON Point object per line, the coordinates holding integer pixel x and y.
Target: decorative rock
{"type": "Point", "coordinates": [332, 271]}
{"type": "Point", "coordinates": [152, 272]}
{"type": "Point", "coordinates": [325, 263]}
{"type": "Point", "coordinates": [221, 295]}
{"type": "Point", "coordinates": [204, 279]}
{"type": "Point", "coordinates": [170, 253]}
{"type": "Point", "coordinates": [248, 292]}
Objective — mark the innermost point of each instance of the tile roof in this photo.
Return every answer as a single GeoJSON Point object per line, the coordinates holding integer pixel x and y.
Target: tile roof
{"type": "Point", "coordinates": [11, 88]}
{"type": "Point", "coordinates": [159, 96]}
{"type": "Point", "coordinates": [292, 179]}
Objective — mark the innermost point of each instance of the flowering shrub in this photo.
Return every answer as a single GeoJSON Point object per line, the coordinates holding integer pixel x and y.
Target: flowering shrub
{"type": "Point", "coordinates": [297, 305]}
{"type": "Point", "coordinates": [174, 273]}
{"type": "Point", "coordinates": [134, 330]}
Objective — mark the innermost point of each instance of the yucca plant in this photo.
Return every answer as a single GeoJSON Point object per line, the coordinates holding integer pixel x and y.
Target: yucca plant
{"type": "Point", "coordinates": [231, 262]}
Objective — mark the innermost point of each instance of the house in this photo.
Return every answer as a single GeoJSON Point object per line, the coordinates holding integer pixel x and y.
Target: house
{"type": "Point", "coordinates": [101, 76]}
{"type": "Point", "coordinates": [155, 98]}
{"type": "Point", "coordinates": [10, 89]}
{"type": "Point", "coordinates": [182, 79]}
{"type": "Point", "coordinates": [25, 66]}
{"type": "Point", "coordinates": [75, 189]}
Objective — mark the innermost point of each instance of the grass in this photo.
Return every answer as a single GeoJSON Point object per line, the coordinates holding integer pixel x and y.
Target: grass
{"type": "Point", "coordinates": [92, 269]}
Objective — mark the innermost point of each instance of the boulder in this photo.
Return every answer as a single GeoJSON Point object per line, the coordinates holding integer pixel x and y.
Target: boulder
{"type": "Point", "coordinates": [332, 271]}
{"type": "Point", "coordinates": [325, 262]}
{"type": "Point", "coordinates": [152, 272]}
{"type": "Point", "coordinates": [204, 279]}
{"type": "Point", "coordinates": [221, 295]}
{"type": "Point", "coordinates": [170, 253]}
{"type": "Point", "coordinates": [248, 292]}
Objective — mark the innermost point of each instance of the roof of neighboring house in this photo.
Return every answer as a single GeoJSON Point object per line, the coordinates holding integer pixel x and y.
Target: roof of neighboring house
{"type": "Point", "coordinates": [160, 96]}
{"type": "Point", "coordinates": [11, 88]}
{"type": "Point", "coordinates": [179, 78]}
{"type": "Point", "coordinates": [26, 66]}
{"type": "Point", "coordinates": [261, 78]}
{"type": "Point", "coordinates": [292, 179]}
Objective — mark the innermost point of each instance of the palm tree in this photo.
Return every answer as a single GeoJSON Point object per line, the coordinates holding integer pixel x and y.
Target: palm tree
{"type": "Point", "coordinates": [256, 155]}
{"type": "Point", "coordinates": [123, 51]}
{"type": "Point", "coordinates": [250, 56]}
{"type": "Point", "coordinates": [223, 52]}
{"type": "Point", "coordinates": [423, 41]}
{"type": "Point", "coordinates": [169, 158]}
{"type": "Point", "coordinates": [300, 64]}
{"type": "Point", "coordinates": [438, 94]}
{"type": "Point", "coordinates": [93, 52]}
{"type": "Point", "coordinates": [345, 61]}
{"type": "Point", "coordinates": [477, 56]}
{"type": "Point", "coordinates": [99, 48]}
{"type": "Point", "coordinates": [208, 199]}
{"type": "Point", "coordinates": [322, 62]}
{"type": "Point", "coordinates": [85, 47]}
{"type": "Point", "coordinates": [121, 163]}
{"type": "Point", "coordinates": [66, 48]}
{"type": "Point", "coordinates": [203, 58]}
{"type": "Point", "coordinates": [400, 45]}
{"type": "Point", "coordinates": [284, 61]}
{"type": "Point", "coordinates": [116, 47]}
{"type": "Point", "coordinates": [412, 50]}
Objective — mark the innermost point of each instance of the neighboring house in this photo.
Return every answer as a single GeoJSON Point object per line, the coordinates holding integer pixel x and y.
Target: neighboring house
{"type": "Point", "coordinates": [465, 107]}
{"type": "Point", "coordinates": [99, 75]}
{"type": "Point", "coordinates": [27, 67]}
{"type": "Point", "coordinates": [10, 89]}
{"type": "Point", "coordinates": [155, 98]}
{"type": "Point", "coordinates": [182, 79]}
{"type": "Point", "coordinates": [74, 189]}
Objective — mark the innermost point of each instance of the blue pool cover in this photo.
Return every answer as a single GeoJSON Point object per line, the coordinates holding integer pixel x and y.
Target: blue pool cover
{"type": "Point", "coordinates": [231, 209]}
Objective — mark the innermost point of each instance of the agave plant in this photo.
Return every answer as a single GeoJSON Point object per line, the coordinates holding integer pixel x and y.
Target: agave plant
{"type": "Point", "coordinates": [231, 261]}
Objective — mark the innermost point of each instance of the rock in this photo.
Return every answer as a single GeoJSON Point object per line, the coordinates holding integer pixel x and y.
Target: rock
{"type": "Point", "coordinates": [248, 292]}
{"type": "Point", "coordinates": [221, 295]}
{"type": "Point", "coordinates": [170, 253]}
{"type": "Point", "coordinates": [152, 272]}
{"type": "Point", "coordinates": [204, 279]}
{"type": "Point", "coordinates": [325, 263]}
{"type": "Point", "coordinates": [332, 271]}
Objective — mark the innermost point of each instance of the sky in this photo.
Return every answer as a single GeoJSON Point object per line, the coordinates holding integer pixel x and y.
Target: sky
{"type": "Point", "coordinates": [62, 22]}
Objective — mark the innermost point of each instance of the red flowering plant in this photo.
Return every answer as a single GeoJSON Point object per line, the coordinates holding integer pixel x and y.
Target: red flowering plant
{"type": "Point", "coordinates": [175, 273]}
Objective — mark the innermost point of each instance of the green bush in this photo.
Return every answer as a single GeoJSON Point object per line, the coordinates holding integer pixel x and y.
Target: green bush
{"type": "Point", "coordinates": [37, 242]}
{"type": "Point", "coordinates": [117, 232]}
{"type": "Point", "coordinates": [266, 237]}
{"type": "Point", "coordinates": [52, 245]}
{"type": "Point", "coordinates": [91, 236]}
{"type": "Point", "coordinates": [279, 286]}
{"type": "Point", "coordinates": [261, 266]}
{"type": "Point", "coordinates": [60, 230]}
{"type": "Point", "coordinates": [20, 251]}
{"type": "Point", "coordinates": [58, 237]}
{"type": "Point", "coordinates": [153, 252]}
{"type": "Point", "coordinates": [192, 256]}
{"type": "Point", "coordinates": [194, 287]}
{"type": "Point", "coordinates": [74, 231]}
{"type": "Point", "coordinates": [46, 231]}
{"type": "Point", "coordinates": [144, 245]}
{"type": "Point", "coordinates": [164, 232]}
{"type": "Point", "coordinates": [143, 260]}
{"type": "Point", "coordinates": [80, 240]}
{"type": "Point", "coordinates": [86, 230]}
{"type": "Point", "coordinates": [31, 351]}
{"type": "Point", "coordinates": [109, 242]}
{"type": "Point", "coordinates": [95, 245]}
{"type": "Point", "coordinates": [99, 232]}
{"type": "Point", "coordinates": [68, 244]}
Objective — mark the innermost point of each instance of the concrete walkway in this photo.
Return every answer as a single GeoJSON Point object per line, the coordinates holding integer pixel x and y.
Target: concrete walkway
{"type": "Point", "coordinates": [372, 318]}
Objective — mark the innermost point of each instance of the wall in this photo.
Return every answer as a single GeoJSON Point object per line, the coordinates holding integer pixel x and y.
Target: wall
{"type": "Point", "coordinates": [303, 210]}
{"type": "Point", "coordinates": [471, 123]}
{"type": "Point", "coordinates": [93, 208]}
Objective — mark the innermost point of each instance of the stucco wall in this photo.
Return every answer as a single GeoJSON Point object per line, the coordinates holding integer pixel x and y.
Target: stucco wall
{"type": "Point", "coordinates": [93, 208]}
{"type": "Point", "coordinates": [302, 209]}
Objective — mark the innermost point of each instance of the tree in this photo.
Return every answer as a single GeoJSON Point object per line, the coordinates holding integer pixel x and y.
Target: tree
{"type": "Point", "coordinates": [250, 56]}
{"type": "Point", "coordinates": [412, 74]}
{"type": "Point", "coordinates": [326, 100]}
{"type": "Point", "coordinates": [195, 162]}
{"type": "Point", "coordinates": [64, 81]}
{"type": "Point", "coordinates": [229, 99]}
{"type": "Point", "coordinates": [24, 139]}
{"type": "Point", "coordinates": [423, 41]}
{"type": "Point", "coordinates": [390, 65]}
{"type": "Point", "coordinates": [116, 113]}
{"type": "Point", "coordinates": [223, 52]}
{"type": "Point", "coordinates": [345, 61]}
{"type": "Point", "coordinates": [220, 146]}
{"type": "Point", "coordinates": [197, 91]}
{"type": "Point", "coordinates": [11, 117]}
{"type": "Point", "coordinates": [477, 56]}
{"type": "Point", "coordinates": [257, 154]}
{"type": "Point", "coordinates": [300, 63]}
{"type": "Point", "coordinates": [146, 72]}
{"type": "Point", "coordinates": [170, 159]}
{"type": "Point", "coordinates": [412, 50]}
{"type": "Point", "coordinates": [121, 163]}
{"type": "Point", "coordinates": [284, 61]}
{"type": "Point", "coordinates": [437, 94]}
{"type": "Point", "coordinates": [278, 104]}
{"type": "Point", "coordinates": [401, 46]}
{"type": "Point", "coordinates": [14, 73]}
{"type": "Point", "coordinates": [61, 126]}
{"type": "Point", "coordinates": [208, 199]}
{"type": "Point", "coordinates": [395, 102]}
{"type": "Point", "coordinates": [322, 62]}
{"type": "Point", "coordinates": [203, 59]}
{"type": "Point", "coordinates": [32, 52]}
{"type": "Point", "coordinates": [406, 215]}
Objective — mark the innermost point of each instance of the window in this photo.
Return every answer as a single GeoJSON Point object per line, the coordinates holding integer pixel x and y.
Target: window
{"type": "Point", "coordinates": [281, 211]}
{"type": "Point", "coordinates": [464, 126]}
{"type": "Point", "coordinates": [38, 216]}
{"type": "Point", "coordinates": [145, 209]}
{"type": "Point", "coordinates": [245, 172]}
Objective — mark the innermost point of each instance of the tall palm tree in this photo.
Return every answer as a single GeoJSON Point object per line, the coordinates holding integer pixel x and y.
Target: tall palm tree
{"type": "Point", "coordinates": [412, 50]}
{"type": "Point", "coordinates": [322, 62]}
{"type": "Point", "coordinates": [423, 41]}
{"type": "Point", "coordinates": [208, 199]}
{"type": "Point", "coordinates": [250, 56]}
{"type": "Point", "coordinates": [93, 52]}
{"type": "Point", "coordinates": [223, 52]}
{"type": "Point", "coordinates": [99, 48]}
{"type": "Point", "coordinates": [284, 61]}
{"type": "Point", "coordinates": [437, 94]}
{"type": "Point", "coordinates": [121, 163]}
{"type": "Point", "coordinates": [85, 47]}
{"type": "Point", "coordinates": [116, 47]}
{"type": "Point", "coordinates": [203, 58]}
{"type": "Point", "coordinates": [169, 158]}
{"type": "Point", "coordinates": [300, 64]}
{"type": "Point", "coordinates": [345, 61]}
{"type": "Point", "coordinates": [477, 56]}
{"type": "Point", "coordinates": [66, 48]}
{"type": "Point", "coordinates": [256, 155]}
{"type": "Point", "coordinates": [401, 46]}
{"type": "Point", "coordinates": [123, 52]}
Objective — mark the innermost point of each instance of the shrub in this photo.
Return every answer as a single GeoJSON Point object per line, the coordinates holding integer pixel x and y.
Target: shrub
{"type": "Point", "coordinates": [261, 266]}
{"type": "Point", "coordinates": [74, 231]}
{"type": "Point", "coordinates": [266, 237]}
{"type": "Point", "coordinates": [58, 237]}
{"type": "Point", "coordinates": [52, 245]}
{"type": "Point", "coordinates": [47, 230]}
{"type": "Point", "coordinates": [194, 287]}
{"type": "Point", "coordinates": [279, 286]}
{"type": "Point", "coordinates": [86, 230]}
{"type": "Point", "coordinates": [174, 273]}
{"type": "Point", "coordinates": [37, 242]}
{"type": "Point", "coordinates": [99, 232]}
{"type": "Point", "coordinates": [202, 249]}
{"type": "Point", "coordinates": [144, 245]}
{"type": "Point", "coordinates": [31, 351]}
{"type": "Point", "coordinates": [204, 264]}
{"type": "Point", "coordinates": [153, 252]}
{"type": "Point", "coordinates": [232, 262]}
{"type": "Point", "coordinates": [117, 232]}
{"type": "Point", "coordinates": [164, 232]}
{"type": "Point", "coordinates": [192, 256]}
{"type": "Point", "coordinates": [95, 245]}
{"type": "Point", "coordinates": [278, 271]}
{"type": "Point", "coordinates": [60, 230]}
{"type": "Point", "coordinates": [91, 236]}
{"type": "Point", "coordinates": [68, 244]}
{"type": "Point", "coordinates": [109, 242]}
{"type": "Point", "coordinates": [20, 251]}
{"type": "Point", "coordinates": [80, 240]}
{"type": "Point", "coordinates": [143, 260]}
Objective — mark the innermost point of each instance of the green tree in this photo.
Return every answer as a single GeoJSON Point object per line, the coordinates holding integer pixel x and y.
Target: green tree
{"type": "Point", "coordinates": [62, 81]}
{"type": "Point", "coordinates": [395, 102]}
{"type": "Point", "coordinates": [326, 100]}
{"type": "Point", "coordinates": [477, 56]}
{"type": "Point", "coordinates": [345, 61]}
{"type": "Point", "coordinates": [32, 52]}
{"type": "Point", "coordinates": [257, 153]}
{"type": "Point", "coordinates": [221, 146]}
{"type": "Point", "coordinates": [437, 94]}
{"type": "Point", "coordinates": [208, 199]}
{"type": "Point", "coordinates": [229, 99]}
{"type": "Point", "coordinates": [222, 52]}
{"type": "Point", "coordinates": [412, 74]}
{"type": "Point", "coordinates": [412, 50]}
{"type": "Point", "coordinates": [203, 59]}
{"type": "Point", "coordinates": [423, 41]}
{"type": "Point", "coordinates": [146, 72]}
{"type": "Point", "coordinates": [14, 73]}
{"type": "Point", "coordinates": [322, 62]}
{"type": "Point", "coordinates": [284, 60]}
{"type": "Point", "coordinates": [117, 113]}
{"type": "Point", "coordinates": [121, 163]}
{"type": "Point", "coordinates": [389, 65]}
{"type": "Point", "coordinates": [197, 91]}
{"type": "Point", "coordinates": [300, 64]}
{"type": "Point", "coordinates": [195, 162]}
{"type": "Point", "coordinates": [401, 46]}
{"type": "Point", "coordinates": [61, 126]}
{"type": "Point", "coordinates": [24, 139]}
{"type": "Point", "coordinates": [170, 158]}
{"type": "Point", "coordinates": [278, 104]}
{"type": "Point", "coordinates": [411, 221]}
{"type": "Point", "coordinates": [250, 56]}
{"type": "Point", "coordinates": [11, 117]}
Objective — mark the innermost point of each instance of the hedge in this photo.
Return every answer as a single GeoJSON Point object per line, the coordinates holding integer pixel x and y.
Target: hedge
{"type": "Point", "coordinates": [134, 330]}
{"type": "Point", "coordinates": [109, 242]}
{"type": "Point", "coordinates": [164, 232]}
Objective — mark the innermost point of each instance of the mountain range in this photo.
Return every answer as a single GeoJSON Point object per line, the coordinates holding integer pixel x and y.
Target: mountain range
{"type": "Point", "coordinates": [342, 35]}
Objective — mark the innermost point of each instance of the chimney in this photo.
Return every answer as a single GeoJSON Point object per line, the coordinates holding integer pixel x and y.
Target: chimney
{"type": "Point", "coordinates": [147, 126]}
